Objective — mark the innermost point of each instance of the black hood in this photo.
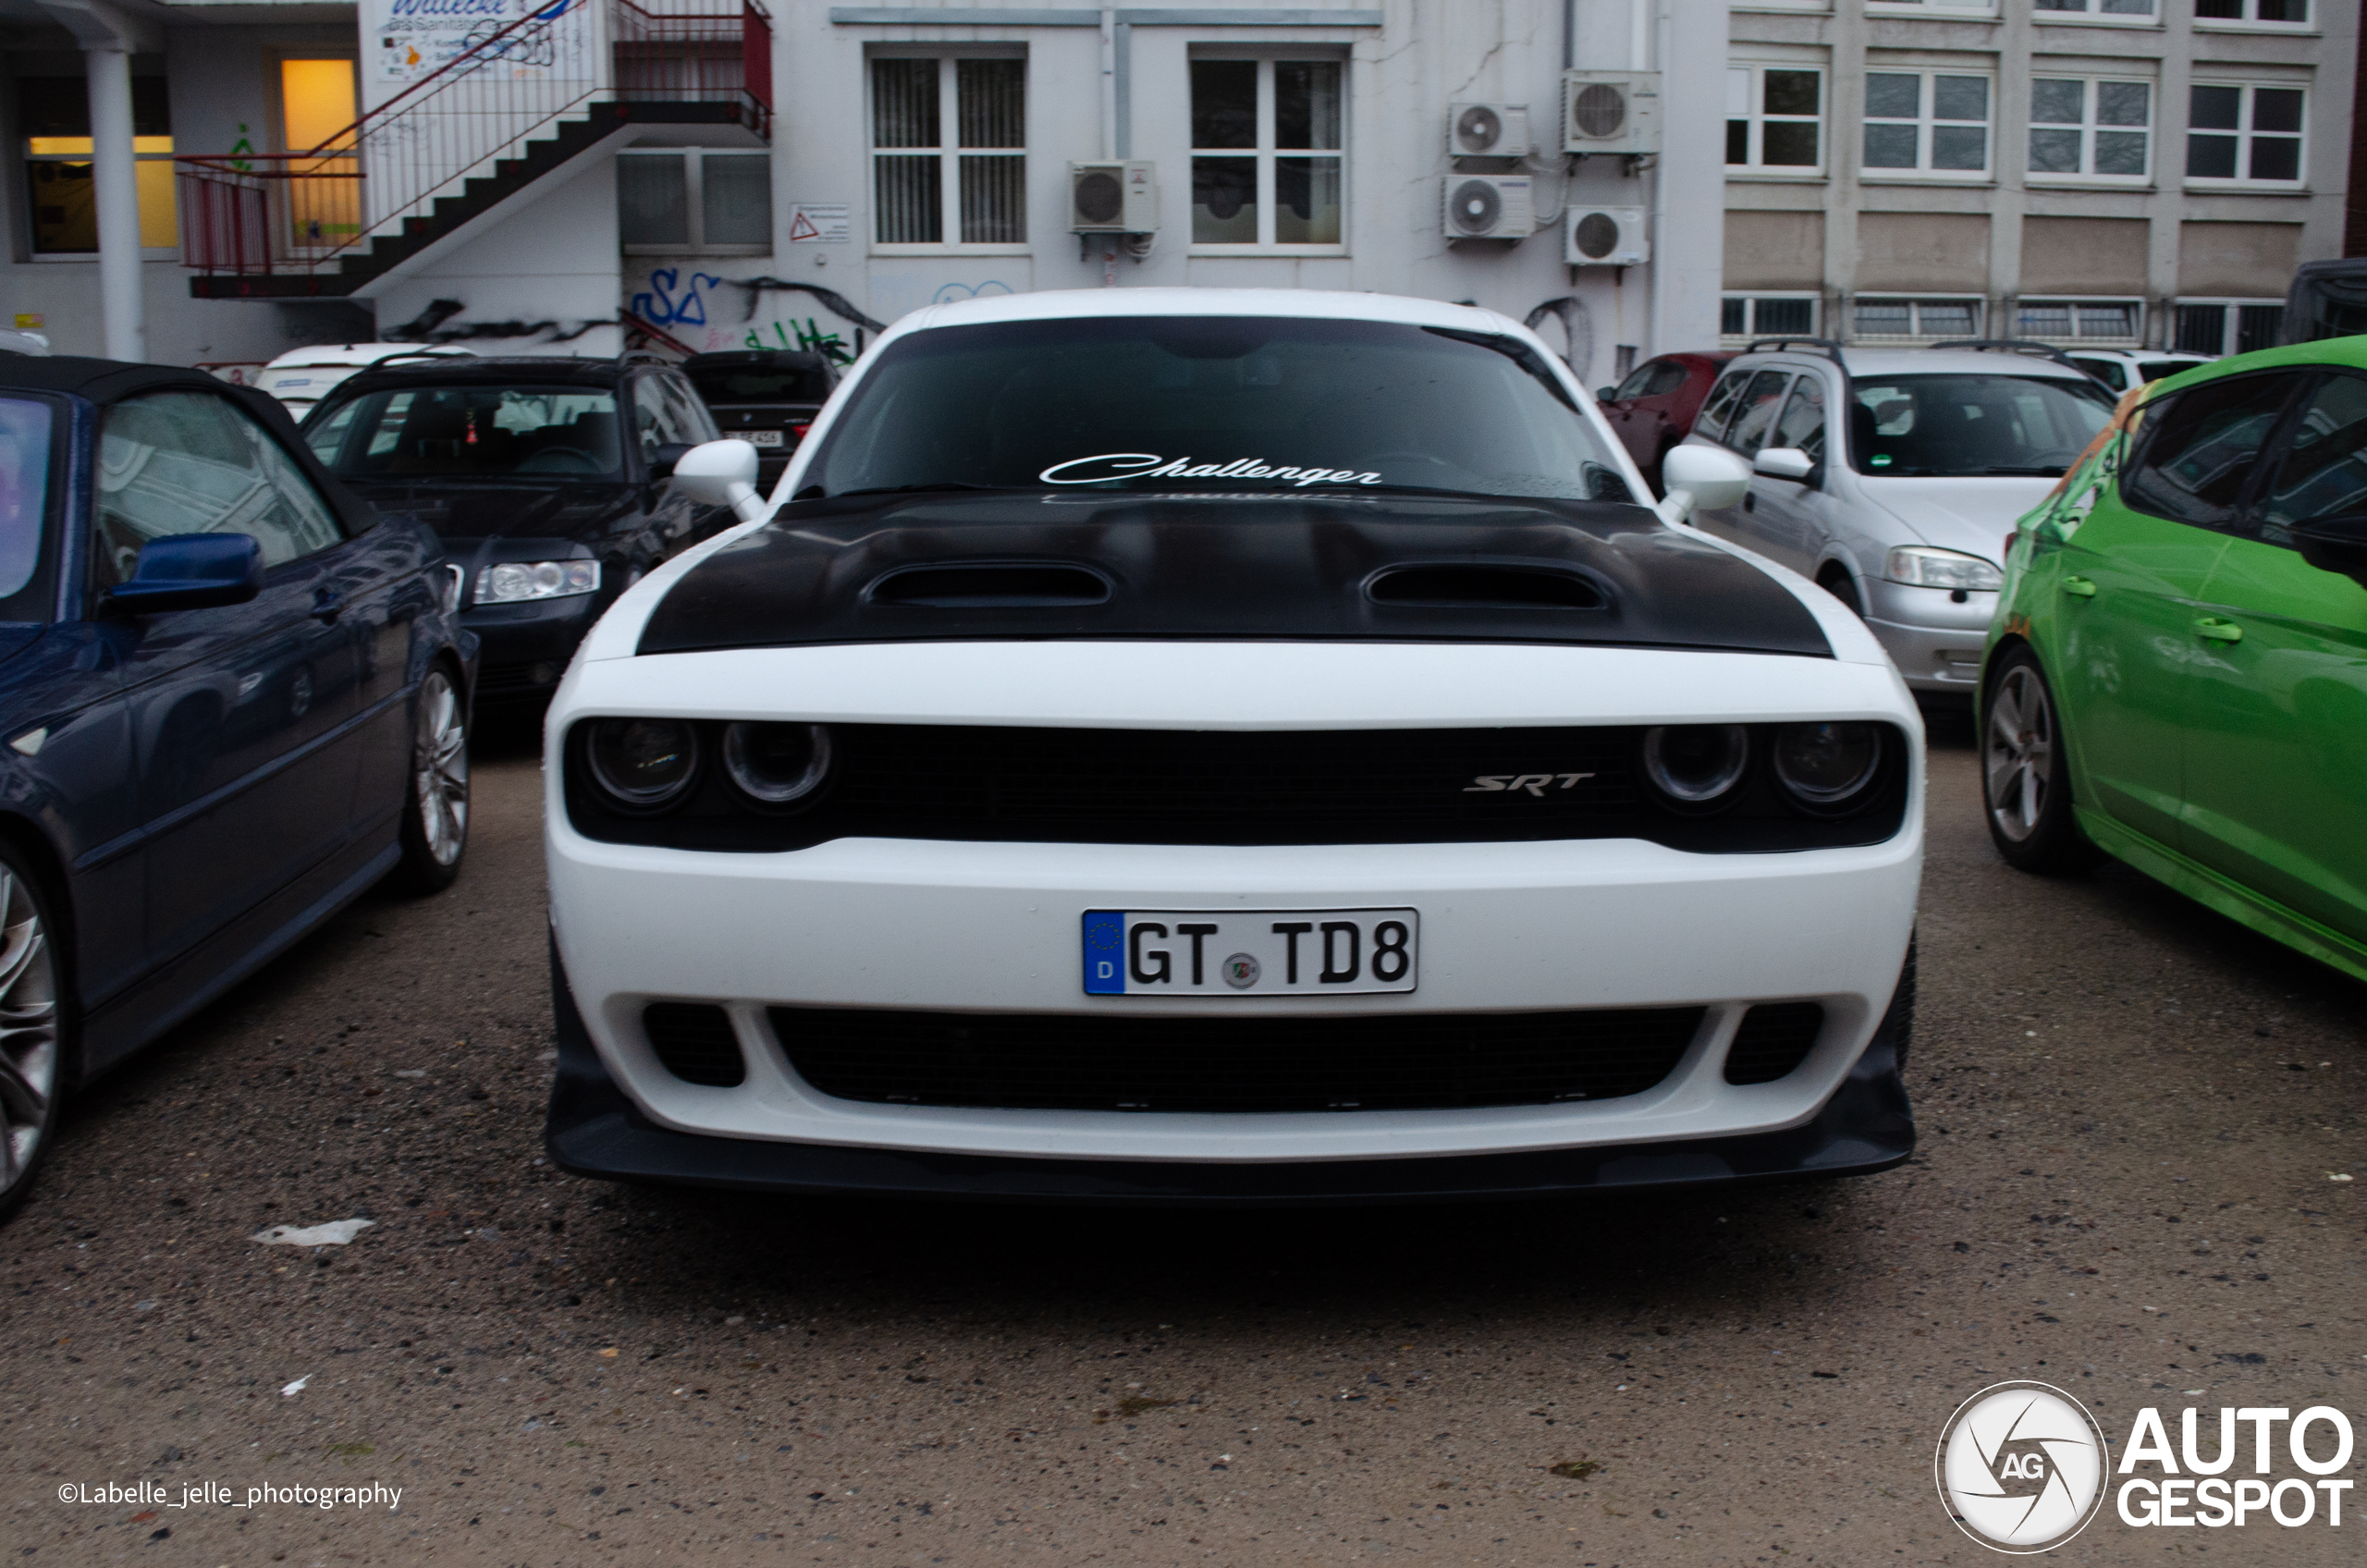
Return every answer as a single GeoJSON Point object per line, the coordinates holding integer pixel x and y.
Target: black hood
{"type": "Point", "coordinates": [1008, 566]}
{"type": "Point", "coordinates": [464, 511]}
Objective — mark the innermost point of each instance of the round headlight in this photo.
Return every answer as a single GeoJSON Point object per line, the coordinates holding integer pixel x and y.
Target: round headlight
{"type": "Point", "coordinates": [644, 763]}
{"type": "Point", "coordinates": [776, 764]}
{"type": "Point", "coordinates": [1696, 763]}
{"type": "Point", "coordinates": [1827, 764]}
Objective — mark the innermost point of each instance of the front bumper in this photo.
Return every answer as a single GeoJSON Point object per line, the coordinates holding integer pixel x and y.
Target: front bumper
{"type": "Point", "coordinates": [527, 645]}
{"type": "Point", "coordinates": [1864, 1127]}
{"type": "Point", "coordinates": [1936, 641]}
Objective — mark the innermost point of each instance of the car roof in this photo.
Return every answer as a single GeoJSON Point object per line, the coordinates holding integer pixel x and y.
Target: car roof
{"type": "Point", "coordinates": [101, 381]}
{"type": "Point", "coordinates": [496, 370]}
{"type": "Point", "coordinates": [321, 354]}
{"type": "Point", "coordinates": [799, 359]}
{"type": "Point", "coordinates": [1312, 304]}
{"type": "Point", "coordinates": [1864, 362]}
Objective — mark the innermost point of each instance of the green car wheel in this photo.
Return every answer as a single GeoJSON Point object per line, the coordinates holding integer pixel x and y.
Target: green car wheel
{"type": "Point", "coordinates": [2025, 777]}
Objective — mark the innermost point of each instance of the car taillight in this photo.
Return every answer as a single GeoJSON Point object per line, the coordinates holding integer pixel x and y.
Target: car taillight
{"type": "Point", "coordinates": [800, 428]}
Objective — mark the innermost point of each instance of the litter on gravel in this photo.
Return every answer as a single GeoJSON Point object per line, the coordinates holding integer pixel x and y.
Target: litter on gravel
{"type": "Point", "coordinates": [335, 1233]}
{"type": "Point", "coordinates": [292, 1389]}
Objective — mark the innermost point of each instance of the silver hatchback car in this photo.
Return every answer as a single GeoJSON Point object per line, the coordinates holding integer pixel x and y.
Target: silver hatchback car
{"type": "Point", "coordinates": [1891, 477]}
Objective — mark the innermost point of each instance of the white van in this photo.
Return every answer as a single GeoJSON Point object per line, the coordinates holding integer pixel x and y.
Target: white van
{"type": "Point", "coordinates": [301, 376]}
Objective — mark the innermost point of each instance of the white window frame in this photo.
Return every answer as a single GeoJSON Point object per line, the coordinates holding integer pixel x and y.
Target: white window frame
{"type": "Point", "coordinates": [1926, 121]}
{"type": "Point", "coordinates": [949, 151]}
{"type": "Point", "coordinates": [1824, 6]}
{"type": "Point", "coordinates": [2091, 13]}
{"type": "Point", "coordinates": [2075, 336]}
{"type": "Point", "coordinates": [1755, 115]}
{"type": "Point", "coordinates": [2230, 329]}
{"type": "Point", "coordinates": [2251, 22]}
{"type": "Point", "coordinates": [1915, 320]}
{"type": "Point", "coordinates": [1266, 152]}
{"type": "Point", "coordinates": [1750, 300]}
{"type": "Point", "coordinates": [2244, 135]}
{"type": "Point", "coordinates": [1976, 10]}
{"type": "Point", "coordinates": [693, 160]}
{"type": "Point", "coordinates": [2088, 127]}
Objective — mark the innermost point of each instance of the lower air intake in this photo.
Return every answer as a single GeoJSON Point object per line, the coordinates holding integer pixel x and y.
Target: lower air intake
{"type": "Point", "coordinates": [1107, 1062]}
{"type": "Point", "coordinates": [1774, 1038]}
{"type": "Point", "coordinates": [696, 1042]}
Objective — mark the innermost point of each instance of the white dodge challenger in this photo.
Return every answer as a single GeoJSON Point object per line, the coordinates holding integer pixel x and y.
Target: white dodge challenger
{"type": "Point", "coordinates": [1196, 745]}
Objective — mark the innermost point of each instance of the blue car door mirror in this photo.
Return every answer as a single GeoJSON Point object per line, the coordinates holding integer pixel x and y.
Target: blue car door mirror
{"type": "Point", "coordinates": [187, 571]}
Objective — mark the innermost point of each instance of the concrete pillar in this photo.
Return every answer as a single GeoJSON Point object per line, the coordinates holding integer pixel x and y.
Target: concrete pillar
{"type": "Point", "coordinates": [115, 180]}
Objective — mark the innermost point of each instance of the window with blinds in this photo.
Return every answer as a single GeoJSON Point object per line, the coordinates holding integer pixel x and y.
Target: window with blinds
{"type": "Point", "coordinates": [949, 151]}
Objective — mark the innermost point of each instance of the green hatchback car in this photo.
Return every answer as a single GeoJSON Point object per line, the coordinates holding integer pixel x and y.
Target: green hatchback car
{"type": "Point", "coordinates": [2177, 675]}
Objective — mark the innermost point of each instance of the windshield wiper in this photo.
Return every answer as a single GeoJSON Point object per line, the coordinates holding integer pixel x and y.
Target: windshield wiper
{"type": "Point", "coordinates": [900, 489]}
{"type": "Point", "coordinates": [2035, 471]}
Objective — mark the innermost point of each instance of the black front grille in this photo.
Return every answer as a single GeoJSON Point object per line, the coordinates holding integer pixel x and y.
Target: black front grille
{"type": "Point", "coordinates": [696, 1042]}
{"type": "Point", "coordinates": [1226, 786]}
{"type": "Point", "coordinates": [1774, 1038]}
{"type": "Point", "coordinates": [1112, 1061]}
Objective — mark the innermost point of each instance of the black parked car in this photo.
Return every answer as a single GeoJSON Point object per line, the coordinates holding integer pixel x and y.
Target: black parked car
{"type": "Point", "coordinates": [232, 696]}
{"type": "Point", "coordinates": [766, 397]}
{"type": "Point", "coordinates": [548, 479]}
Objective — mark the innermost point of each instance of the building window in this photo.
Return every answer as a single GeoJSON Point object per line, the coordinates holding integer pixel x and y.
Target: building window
{"type": "Point", "coordinates": [54, 116]}
{"type": "Point", "coordinates": [2096, 10]}
{"type": "Point", "coordinates": [2227, 326]}
{"type": "Point", "coordinates": [1936, 7]}
{"type": "Point", "coordinates": [317, 110]}
{"type": "Point", "coordinates": [949, 151]}
{"type": "Point", "coordinates": [2088, 130]}
{"type": "Point", "coordinates": [1767, 315]}
{"type": "Point", "coordinates": [1873, 317]}
{"type": "Point", "coordinates": [2244, 132]}
{"type": "Point", "coordinates": [1927, 123]}
{"type": "Point", "coordinates": [1775, 118]}
{"type": "Point", "coordinates": [2081, 321]}
{"type": "Point", "coordinates": [2278, 13]}
{"type": "Point", "coordinates": [692, 198]}
{"type": "Point", "coordinates": [1265, 152]}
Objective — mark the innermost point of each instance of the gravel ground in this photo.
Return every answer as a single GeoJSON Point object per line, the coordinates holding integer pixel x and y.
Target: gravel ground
{"type": "Point", "coordinates": [2131, 1111]}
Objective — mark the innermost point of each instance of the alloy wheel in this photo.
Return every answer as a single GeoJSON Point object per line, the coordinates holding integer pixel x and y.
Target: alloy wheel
{"type": "Point", "coordinates": [2019, 752]}
{"type": "Point", "coordinates": [440, 769]}
{"type": "Point", "coordinates": [28, 1030]}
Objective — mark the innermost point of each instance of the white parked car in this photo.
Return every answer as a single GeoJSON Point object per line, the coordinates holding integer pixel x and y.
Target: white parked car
{"type": "Point", "coordinates": [301, 377]}
{"type": "Point", "coordinates": [1892, 478]}
{"type": "Point", "coordinates": [1195, 744]}
{"type": "Point", "coordinates": [2120, 368]}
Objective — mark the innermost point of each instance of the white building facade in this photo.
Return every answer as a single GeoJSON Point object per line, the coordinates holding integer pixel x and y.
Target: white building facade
{"type": "Point", "coordinates": [2106, 173]}
{"type": "Point", "coordinates": [711, 173]}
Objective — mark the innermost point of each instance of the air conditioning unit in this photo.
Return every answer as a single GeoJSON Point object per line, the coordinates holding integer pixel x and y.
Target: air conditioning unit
{"type": "Point", "coordinates": [1114, 198]}
{"type": "Point", "coordinates": [1486, 130]}
{"type": "Point", "coordinates": [1488, 206]}
{"type": "Point", "coordinates": [1611, 112]}
{"type": "Point", "coordinates": [1606, 237]}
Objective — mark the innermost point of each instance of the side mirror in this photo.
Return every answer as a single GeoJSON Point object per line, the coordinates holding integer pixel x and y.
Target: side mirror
{"type": "Point", "coordinates": [1784, 463]}
{"type": "Point", "coordinates": [190, 572]}
{"type": "Point", "coordinates": [1606, 394]}
{"type": "Point", "coordinates": [722, 474]}
{"type": "Point", "coordinates": [2337, 546]}
{"type": "Point", "coordinates": [662, 461]}
{"type": "Point", "coordinates": [1702, 478]}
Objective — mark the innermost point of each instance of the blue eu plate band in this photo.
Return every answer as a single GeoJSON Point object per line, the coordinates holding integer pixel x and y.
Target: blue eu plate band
{"type": "Point", "coordinates": [1105, 953]}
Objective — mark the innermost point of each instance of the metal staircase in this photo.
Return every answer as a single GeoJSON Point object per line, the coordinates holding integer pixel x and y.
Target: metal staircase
{"type": "Point", "coordinates": [509, 110]}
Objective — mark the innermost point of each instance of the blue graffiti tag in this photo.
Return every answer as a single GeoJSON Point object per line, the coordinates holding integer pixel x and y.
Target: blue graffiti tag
{"type": "Point", "coordinates": [659, 307]}
{"type": "Point", "coordinates": [953, 291]}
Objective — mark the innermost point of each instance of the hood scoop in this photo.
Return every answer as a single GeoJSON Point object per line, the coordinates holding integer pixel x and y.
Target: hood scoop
{"type": "Point", "coordinates": [966, 585]}
{"type": "Point", "coordinates": [1486, 585]}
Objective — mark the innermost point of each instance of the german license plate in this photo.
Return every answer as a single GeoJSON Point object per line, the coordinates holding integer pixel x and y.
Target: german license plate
{"type": "Point", "coordinates": [1232, 952]}
{"type": "Point", "coordinates": [762, 437]}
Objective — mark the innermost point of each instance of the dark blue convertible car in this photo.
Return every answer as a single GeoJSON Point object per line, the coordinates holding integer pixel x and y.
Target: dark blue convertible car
{"type": "Point", "coordinates": [232, 696]}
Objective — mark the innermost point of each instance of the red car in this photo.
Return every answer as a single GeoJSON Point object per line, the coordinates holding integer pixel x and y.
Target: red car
{"type": "Point", "coordinates": [1653, 409]}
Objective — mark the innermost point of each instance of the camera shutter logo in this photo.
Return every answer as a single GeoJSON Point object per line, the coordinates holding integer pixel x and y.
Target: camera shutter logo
{"type": "Point", "coordinates": [2021, 1467]}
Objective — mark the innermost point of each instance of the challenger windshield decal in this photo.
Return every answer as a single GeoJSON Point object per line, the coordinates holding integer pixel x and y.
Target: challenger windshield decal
{"type": "Point", "coordinates": [1106, 466]}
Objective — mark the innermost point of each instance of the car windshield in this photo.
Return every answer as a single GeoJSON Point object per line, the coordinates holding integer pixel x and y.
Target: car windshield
{"type": "Point", "coordinates": [761, 384]}
{"type": "Point", "coordinates": [471, 432]}
{"type": "Point", "coordinates": [1213, 403]}
{"type": "Point", "coordinates": [1970, 425]}
{"type": "Point", "coordinates": [24, 489]}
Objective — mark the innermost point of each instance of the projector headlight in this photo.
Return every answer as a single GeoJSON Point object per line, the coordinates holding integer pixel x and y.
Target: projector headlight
{"type": "Point", "coordinates": [1828, 767]}
{"type": "Point", "coordinates": [643, 763]}
{"type": "Point", "coordinates": [1696, 765]}
{"type": "Point", "coordinates": [776, 764]}
{"type": "Point", "coordinates": [516, 582]}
